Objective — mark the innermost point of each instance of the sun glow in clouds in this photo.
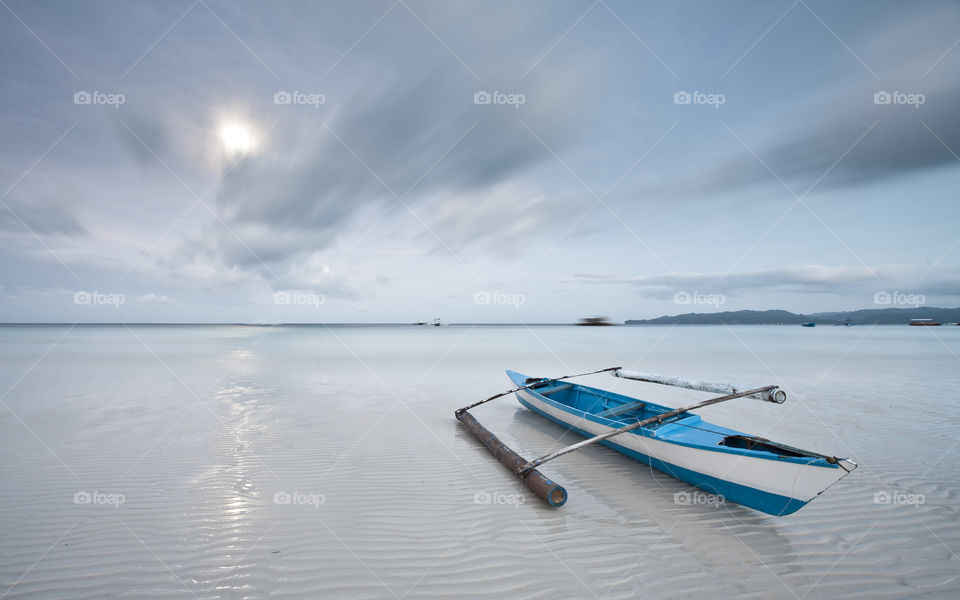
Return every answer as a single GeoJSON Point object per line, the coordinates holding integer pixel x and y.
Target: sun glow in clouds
{"type": "Point", "coordinates": [237, 139]}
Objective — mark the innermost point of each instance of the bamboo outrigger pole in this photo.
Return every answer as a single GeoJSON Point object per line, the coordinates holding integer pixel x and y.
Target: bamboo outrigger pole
{"type": "Point", "coordinates": [530, 383]}
{"type": "Point", "coordinates": [772, 393]}
{"type": "Point", "coordinates": [755, 393]}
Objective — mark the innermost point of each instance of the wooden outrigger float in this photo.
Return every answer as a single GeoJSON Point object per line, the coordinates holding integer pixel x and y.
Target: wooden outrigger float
{"type": "Point", "coordinates": [753, 471]}
{"type": "Point", "coordinates": [545, 489]}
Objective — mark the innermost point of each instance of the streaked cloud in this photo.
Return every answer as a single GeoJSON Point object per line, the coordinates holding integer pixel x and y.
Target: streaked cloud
{"type": "Point", "coordinates": [807, 279]}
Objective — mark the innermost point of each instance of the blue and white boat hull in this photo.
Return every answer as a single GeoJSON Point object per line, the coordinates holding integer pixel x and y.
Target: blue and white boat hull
{"type": "Point", "coordinates": [777, 485]}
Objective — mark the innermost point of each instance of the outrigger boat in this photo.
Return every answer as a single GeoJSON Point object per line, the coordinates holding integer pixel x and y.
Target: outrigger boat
{"type": "Point", "coordinates": [752, 471]}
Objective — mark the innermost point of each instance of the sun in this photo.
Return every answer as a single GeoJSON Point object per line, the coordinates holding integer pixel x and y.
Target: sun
{"type": "Point", "coordinates": [237, 139]}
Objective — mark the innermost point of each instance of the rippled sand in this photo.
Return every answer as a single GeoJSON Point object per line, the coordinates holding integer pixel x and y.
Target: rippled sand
{"type": "Point", "coordinates": [244, 462]}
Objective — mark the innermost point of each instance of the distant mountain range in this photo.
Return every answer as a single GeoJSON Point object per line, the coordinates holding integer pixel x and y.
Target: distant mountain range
{"type": "Point", "coordinates": [873, 316]}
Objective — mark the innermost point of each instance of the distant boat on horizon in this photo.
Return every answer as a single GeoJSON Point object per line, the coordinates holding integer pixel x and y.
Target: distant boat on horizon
{"type": "Point", "coordinates": [595, 322]}
{"type": "Point", "coordinates": [810, 324]}
{"type": "Point", "coordinates": [846, 323]}
{"type": "Point", "coordinates": [924, 323]}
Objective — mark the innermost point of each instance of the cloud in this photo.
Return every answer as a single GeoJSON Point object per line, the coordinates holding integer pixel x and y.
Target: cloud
{"type": "Point", "coordinates": [498, 219]}
{"type": "Point", "coordinates": [217, 261]}
{"type": "Point", "coordinates": [152, 298]}
{"type": "Point", "coordinates": [836, 135]}
{"type": "Point", "coordinates": [145, 137]}
{"type": "Point", "coordinates": [808, 279]}
{"type": "Point", "coordinates": [412, 139]}
{"type": "Point", "coordinates": [404, 126]}
{"type": "Point", "coordinates": [857, 142]}
{"type": "Point", "coordinates": [42, 218]}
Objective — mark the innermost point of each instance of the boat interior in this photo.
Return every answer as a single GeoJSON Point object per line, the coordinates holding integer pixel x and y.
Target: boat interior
{"type": "Point", "coordinates": [623, 410]}
{"type": "Point", "coordinates": [608, 405]}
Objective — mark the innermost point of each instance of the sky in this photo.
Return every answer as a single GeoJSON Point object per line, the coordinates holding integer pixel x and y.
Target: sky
{"type": "Point", "coordinates": [400, 160]}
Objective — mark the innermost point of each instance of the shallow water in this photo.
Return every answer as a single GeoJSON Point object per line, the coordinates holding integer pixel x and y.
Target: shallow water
{"type": "Point", "coordinates": [236, 462]}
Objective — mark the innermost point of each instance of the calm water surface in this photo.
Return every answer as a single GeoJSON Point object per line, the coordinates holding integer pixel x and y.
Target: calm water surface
{"type": "Point", "coordinates": [248, 462]}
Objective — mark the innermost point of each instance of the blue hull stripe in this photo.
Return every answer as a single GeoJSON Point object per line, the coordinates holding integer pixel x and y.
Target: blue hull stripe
{"type": "Point", "coordinates": [770, 503]}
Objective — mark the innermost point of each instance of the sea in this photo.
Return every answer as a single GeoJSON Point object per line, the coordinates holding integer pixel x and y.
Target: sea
{"type": "Point", "coordinates": [324, 461]}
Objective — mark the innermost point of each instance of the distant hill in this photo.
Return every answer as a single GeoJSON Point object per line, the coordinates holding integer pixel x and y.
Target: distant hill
{"type": "Point", "coordinates": [873, 316]}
